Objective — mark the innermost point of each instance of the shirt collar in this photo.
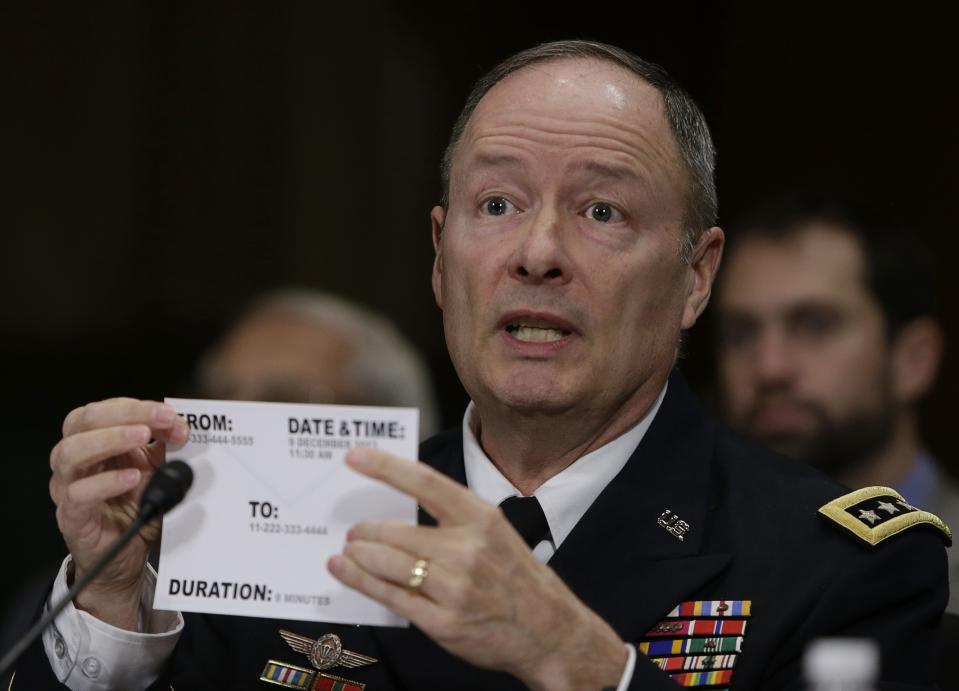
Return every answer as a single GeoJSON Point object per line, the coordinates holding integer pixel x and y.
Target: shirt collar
{"type": "Point", "coordinates": [566, 496]}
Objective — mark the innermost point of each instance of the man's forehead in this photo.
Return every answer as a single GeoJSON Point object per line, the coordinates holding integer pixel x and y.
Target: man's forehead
{"type": "Point", "coordinates": [814, 261]}
{"type": "Point", "coordinates": [272, 329]}
{"type": "Point", "coordinates": [578, 106]}
{"type": "Point", "coordinates": [572, 84]}
{"type": "Point", "coordinates": [820, 242]}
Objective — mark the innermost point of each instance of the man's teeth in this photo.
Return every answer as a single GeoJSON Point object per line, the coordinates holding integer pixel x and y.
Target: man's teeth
{"type": "Point", "coordinates": [536, 334]}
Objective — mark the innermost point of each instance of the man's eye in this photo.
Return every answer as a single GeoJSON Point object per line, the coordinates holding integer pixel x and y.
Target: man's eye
{"type": "Point", "coordinates": [737, 334]}
{"type": "Point", "coordinates": [604, 213]}
{"type": "Point", "coordinates": [813, 324]}
{"type": "Point", "coordinates": [497, 206]}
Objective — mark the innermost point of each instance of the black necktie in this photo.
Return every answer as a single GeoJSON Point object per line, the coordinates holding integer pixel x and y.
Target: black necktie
{"type": "Point", "coordinates": [527, 517]}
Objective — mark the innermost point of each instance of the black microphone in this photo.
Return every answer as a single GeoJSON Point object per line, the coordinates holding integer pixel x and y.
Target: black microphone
{"type": "Point", "coordinates": [165, 490]}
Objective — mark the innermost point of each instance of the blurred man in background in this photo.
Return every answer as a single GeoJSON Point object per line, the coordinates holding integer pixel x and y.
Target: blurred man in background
{"type": "Point", "coordinates": [828, 339]}
{"type": "Point", "coordinates": [306, 347]}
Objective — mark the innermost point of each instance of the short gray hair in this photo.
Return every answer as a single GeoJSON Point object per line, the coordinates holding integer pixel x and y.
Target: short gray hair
{"type": "Point", "coordinates": [383, 366]}
{"type": "Point", "coordinates": [686, 121]}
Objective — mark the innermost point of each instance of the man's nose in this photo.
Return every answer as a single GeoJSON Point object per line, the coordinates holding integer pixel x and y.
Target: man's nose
{"type": "Point", "coordinates": [774, 361]}
{"type": "Point", "coordinates": [540, 255]}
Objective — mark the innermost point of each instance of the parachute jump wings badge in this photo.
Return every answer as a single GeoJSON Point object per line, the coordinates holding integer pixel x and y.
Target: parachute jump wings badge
{"type": "Point", "coordinates": [323, 653]}
{"type": "Point", "coordinates": [326, 651]}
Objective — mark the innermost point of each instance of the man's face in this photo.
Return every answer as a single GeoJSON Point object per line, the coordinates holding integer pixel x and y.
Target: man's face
{"type": "Point", "coordinates": [557, 265]}
{"type": "Point", "coordinates": [804, 360]}
{"type": "Point", "coordinates": [276, 355]}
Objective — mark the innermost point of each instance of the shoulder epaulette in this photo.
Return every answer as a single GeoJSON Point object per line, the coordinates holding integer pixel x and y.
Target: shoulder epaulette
{"type": "Point", "coordinates": [875, 513]}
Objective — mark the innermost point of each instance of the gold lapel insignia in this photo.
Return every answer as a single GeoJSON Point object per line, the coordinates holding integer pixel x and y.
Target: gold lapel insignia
{"type": "Point", "coordinates": [326, 651]}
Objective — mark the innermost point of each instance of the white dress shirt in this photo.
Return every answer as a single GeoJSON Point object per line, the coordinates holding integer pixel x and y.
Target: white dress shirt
{"type": "Point", "coordinates": [566, 496]}
{"type": "Point", "coordinates": [87, 654]}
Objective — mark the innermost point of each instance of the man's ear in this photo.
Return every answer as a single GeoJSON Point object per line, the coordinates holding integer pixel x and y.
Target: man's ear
{"type": "Point", "coordinates": [916, 355]}
{"type": "Point", "coordinates": [703, 267]}
{"type": "Point", "coordinates": [437, 219]}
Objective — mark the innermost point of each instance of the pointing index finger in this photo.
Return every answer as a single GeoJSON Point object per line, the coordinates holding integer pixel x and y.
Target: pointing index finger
{"type": "Point", "coordinates": [445, 499]}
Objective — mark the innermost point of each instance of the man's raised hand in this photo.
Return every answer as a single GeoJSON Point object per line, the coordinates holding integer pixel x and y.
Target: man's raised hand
{"type": "Point", "coordinates": [108, 452]}
{"type": "Point", "coordinates": [485, 598]}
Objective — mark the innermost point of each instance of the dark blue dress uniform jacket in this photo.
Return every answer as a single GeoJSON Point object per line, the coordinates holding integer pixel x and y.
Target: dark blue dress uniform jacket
{"type": "Point", "coordinates": [754, 535]}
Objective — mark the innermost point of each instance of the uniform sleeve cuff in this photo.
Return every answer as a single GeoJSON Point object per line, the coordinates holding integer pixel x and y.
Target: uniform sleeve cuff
{"type": "Point", "coordinates": [630, 666]}
{"type": "Point", "coordinates": [87, 654]}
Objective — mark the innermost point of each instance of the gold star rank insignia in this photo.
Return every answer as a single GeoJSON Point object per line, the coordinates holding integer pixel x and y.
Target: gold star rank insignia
{"type": "Point", "coordinates": [874, 514]}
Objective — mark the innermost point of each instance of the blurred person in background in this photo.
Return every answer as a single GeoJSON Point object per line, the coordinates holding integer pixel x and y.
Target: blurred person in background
{"type": "Point", "coordinates": [309, 347]}
{"type": "Point", "coordinates": [828, 339]}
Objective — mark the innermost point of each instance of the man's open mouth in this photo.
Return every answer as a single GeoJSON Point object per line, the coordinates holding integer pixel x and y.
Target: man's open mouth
{"type": "Point", "coordinates": [535, 333]}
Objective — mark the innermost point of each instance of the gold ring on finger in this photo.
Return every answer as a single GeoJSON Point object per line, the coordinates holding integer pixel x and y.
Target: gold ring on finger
{"type": "Point", "coordinates": [418, 574]}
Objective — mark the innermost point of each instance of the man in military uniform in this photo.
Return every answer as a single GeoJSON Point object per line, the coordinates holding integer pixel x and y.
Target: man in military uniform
{"type": "Point", "coordinates": [574, 244]}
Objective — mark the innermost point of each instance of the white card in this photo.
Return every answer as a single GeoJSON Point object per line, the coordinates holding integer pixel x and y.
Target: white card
{"type": "Point", "coordinates": [271, 501]}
